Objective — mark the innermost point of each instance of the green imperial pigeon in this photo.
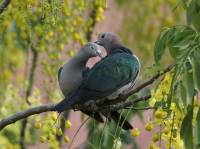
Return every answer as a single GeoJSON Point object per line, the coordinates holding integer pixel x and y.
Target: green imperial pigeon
{"type": "Point", "coordinates": [70, 74]}
{"type": "Point", "coordinates": [110, 77]}
{"type": "Point", "coordinates": [111, 41]}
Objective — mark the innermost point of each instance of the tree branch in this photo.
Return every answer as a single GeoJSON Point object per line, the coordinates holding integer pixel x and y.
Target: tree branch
{"type": "Point", "coordinates": [28, 93]}
{"type": "Point", "coordinates": [24, 114]}
{"type": "Point", "coordinates": [4, 5]}
{"type": "Point", "coordinates": [109, 107]}
{"type": "Point", "coordinates": [142, 108]}
{"type": "Point", "coordinates": [115, 107]}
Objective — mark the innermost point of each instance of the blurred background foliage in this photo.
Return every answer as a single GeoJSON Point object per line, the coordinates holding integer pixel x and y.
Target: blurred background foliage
{"type": "Point", "coordinates": [37, 36]}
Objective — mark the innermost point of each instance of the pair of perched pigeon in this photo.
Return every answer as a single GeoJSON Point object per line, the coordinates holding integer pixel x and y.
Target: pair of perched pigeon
{"type": "Point", "coordinates": [109, 78]}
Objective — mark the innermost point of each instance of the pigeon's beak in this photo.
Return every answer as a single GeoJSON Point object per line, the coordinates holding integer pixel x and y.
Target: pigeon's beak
{"type": "Point", "coordinates": [97, 42]}
{"type": "Point", "coordinates": [99, 53]}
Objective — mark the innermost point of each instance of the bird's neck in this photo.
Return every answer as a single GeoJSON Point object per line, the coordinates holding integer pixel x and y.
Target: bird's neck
{"type": "Point", "coordinates": [80, 59]}
{"type": "Point", "coordinates": [119, 49]}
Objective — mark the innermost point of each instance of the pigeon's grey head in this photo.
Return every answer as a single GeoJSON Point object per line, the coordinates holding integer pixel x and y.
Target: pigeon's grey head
{"type": "Point", "coordinates": [90, 50]}
{"type": "Point", "coordinates": [108, 40]}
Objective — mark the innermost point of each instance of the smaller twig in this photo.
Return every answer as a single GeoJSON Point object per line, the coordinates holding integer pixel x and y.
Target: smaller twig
{"type": "Point", "coordinates": [32, 74]}
{"type": "Point", "coordinates": [77, 132]}
{"type": "Point", "coordinates": [28, 93]}
{"type": "Point", "coordinates": [142, 99]}
{"type": "Point", "coordinates": [102, 133]}
{"type": "Point", "coordinates": [141, 108]}
{"type": "Point", "coordinates": [123, 105]}
{"type": "Point", "coordinates": [4, 5]}
{"type": "Point", "coordinates": [150, 81]}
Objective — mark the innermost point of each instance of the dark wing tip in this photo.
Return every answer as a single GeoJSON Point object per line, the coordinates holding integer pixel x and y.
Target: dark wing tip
{"type": "Point", "coordinates": [95, 115]}
{"type": "Point", "coordinates": [121, 120]}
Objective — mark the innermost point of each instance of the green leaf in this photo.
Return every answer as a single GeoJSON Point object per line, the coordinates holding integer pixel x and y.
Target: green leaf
{"type": "Point", "coordinates": [193, 14]}
{"type": "Point", "coordinates": [179, 42]}
{"type": "Point", "coordinates": [10, 135]}
{"type": "Point", "coordinates": [184, 3]}
{"type": "Point", "coordinates": [160, 46]}
{"type": "Point", "coordinates": [177, 72]}
{"type": "Point", "coordinates": [188, 82]}
{"type": "Point", "coordinates": [183, 94]}
{"type": "Point", "coordinates": [186, 129]}
{"type": "Point", "coordinates": [194, 60]}
{"type": "Point", "coordinates": [198, 131]}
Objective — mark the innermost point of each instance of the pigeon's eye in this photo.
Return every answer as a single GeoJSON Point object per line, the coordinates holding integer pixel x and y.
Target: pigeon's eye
{"type": "Point", "coordinates": [92, 47]}
{"type": "Point", "coordinates": [103, 35]}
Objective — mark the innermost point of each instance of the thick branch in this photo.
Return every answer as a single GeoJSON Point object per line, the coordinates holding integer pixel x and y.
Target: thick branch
{"type": "Point", "coordinates": [50, 107]}
{"type": "Point", "coordinates": [108, 107]}
{"type": "Point", "coordinates": [115, 107]}
{"type": "Point", "coordinates": [24, 114]}
{"type": "Point", "coordinates": [4, 5]}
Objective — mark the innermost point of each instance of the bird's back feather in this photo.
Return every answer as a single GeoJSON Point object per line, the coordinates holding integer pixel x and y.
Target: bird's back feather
{"type": "Point", "coordinates": [108, 75]}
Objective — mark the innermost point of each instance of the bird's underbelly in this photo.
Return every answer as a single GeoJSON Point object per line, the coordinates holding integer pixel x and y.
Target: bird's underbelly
{"type": "Point", "coordinates": [68, 87]}
{"type": "Point", "coordinates": [69, 83]}
{"type": "Point", "coordinates": [122, 90]}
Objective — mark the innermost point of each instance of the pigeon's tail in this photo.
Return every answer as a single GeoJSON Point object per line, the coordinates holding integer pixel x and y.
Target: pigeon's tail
{"type": "Point", "coordinates": [66, 103]}
{"type": "Point", "coordinates": [121, 120]}
{"type": "Point", "coordinates": [97, 116]}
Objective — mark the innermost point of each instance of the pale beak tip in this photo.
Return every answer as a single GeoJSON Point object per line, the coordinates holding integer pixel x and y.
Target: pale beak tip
{"type": "Point", "coordinates": [97, 42]}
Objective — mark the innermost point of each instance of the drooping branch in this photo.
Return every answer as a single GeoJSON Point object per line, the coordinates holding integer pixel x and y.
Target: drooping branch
{"type": "Point", "coordinates": [92, 26]}
{"type": "Point", "coordinates": [108, 107]}
{"type": "Point", "coordinates": [28, 91]}
{"type": "Point", "coordinates": [31, 76]}
{"type": "Point", "coordinates": [4, 5]}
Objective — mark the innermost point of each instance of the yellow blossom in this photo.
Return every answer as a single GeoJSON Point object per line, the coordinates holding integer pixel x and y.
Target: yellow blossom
{"type": "Point", "coordinates": [159, 114]}
{"type": "Point", "coordinates": [149, 126]}
{"type": "Point", "coordinates": [156, 137]}
{"type": "Point", "coordinates": [152, 102]}
{"type": "Point", "coordinates": [54, 116]}
{"type": "Point", "coordinates": [153, 146]}
{"type": "Point", "coordinates": [66, 139]}
{"type": "Point", "coordinates": [68, 124]}
{"type": "Point", "coordinates": [61, 46]}
{"type": "Point", "coordinates": [166, 130]}
{"type": "Point", "coordinates": [50, 34]}
{"type": "Point", "coordinates": [76, 36]}
{"type": "Point", "coordinates": [59, 132]}
{"type": "Point", "coordinates": [173, 106]}
{"type": "Point", "coordinates": [43, 139]}
{"type": "Point", "coordinates": [54, 131]}
{"type": "Point", "coordinates": [71, 53]}
{"type": "Point", "coordinates": [135, 132]}
{"type": "Point", "coordinates": [37, 125]}
{"type": "Point", "coordinates": [117, 143]}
